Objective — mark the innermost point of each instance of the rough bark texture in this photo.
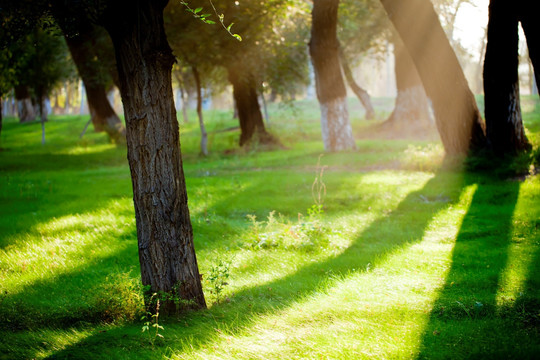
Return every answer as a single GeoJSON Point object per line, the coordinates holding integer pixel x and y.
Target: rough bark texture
{"type": "Point", "coordinates": [204, 135]}
{"type": "Point", "coordinates": [360, 93]}
{"type": "Point", "coordinates": [331, 92]}
{"type": "Point", "coordinates": [456, 114]}
{"type": "Point", "coordinates": [249, 112]}
{"type": "Point", "coordinates": [504, 125]}
{"type": "Point", "coordinates": [25, 108]}
{"type": "Point", "coordinates": [165, 236]}
{"type": "Point", "coordinates": [102, 114]}
{"type": "Point", "coordinates": [412, 105]}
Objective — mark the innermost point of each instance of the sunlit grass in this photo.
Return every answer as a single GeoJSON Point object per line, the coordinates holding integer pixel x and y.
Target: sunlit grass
{"type": "Point", "coordinates": [412, 260]}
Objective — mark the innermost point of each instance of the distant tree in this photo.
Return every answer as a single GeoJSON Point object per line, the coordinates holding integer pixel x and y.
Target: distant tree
{"type": "Point", "coordinates": [456, 114]}
{"type": "Point", "coordinates": [324, 50]}
{"type": "Point", "coordinates": [362, 28]}
{"type": "Point", "coordinates": [411, 107]}
{"type": "Point", "coordinates": [84, 43]}
{"type": "Point", "coordinates": [263, 55]}
{"type": "Point", "coordinates": [504, 126]}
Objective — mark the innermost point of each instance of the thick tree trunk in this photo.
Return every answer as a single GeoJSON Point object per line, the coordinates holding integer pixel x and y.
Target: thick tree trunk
{"type": "Point", "coordinates": [249, 112]}
{"type": "Point", "coordinates": [204, 135]}
{"type": "Point", "coordinates": [504, 125]}
{"type": "Point", "coordinates": [25, 108]}
{"type": "Point", "coordinates": [412, 106]}
{"type": "Point", "coordinates": [324, 50]}
{"type": "Point", "coordinates": [102, 114]}
{"type": "Point", "coordinates": [360, 93]}
{"type": "Point", "coordinates": [165, 236]}
{"type": "Point", "coordinates": [456, 114]}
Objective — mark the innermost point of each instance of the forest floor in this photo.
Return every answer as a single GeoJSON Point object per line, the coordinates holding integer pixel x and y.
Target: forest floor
{"type": "Point", "coordinates": [412, 256]}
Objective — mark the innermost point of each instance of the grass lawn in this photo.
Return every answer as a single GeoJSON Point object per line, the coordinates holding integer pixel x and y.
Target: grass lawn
{"type": "Point", "coordinates": [411, 257]}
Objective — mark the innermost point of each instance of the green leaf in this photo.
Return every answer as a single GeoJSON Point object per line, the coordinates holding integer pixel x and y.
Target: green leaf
{"type": "Point", "coordinates": [197, 10]}
{"type": "Point", "coordinates": [229, 27]}
{"type": "Point", "coordinates": [238, 37]}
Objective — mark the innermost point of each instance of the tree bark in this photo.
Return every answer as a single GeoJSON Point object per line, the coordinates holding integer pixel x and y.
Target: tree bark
{"type": "Point", "coordinates": [204, 135]}
{"type": "Point", "coordinates": [456, 114]}
{"type": "Point", "coordinates": [249, 112]}
{"type": "Point", "coordinates": [324, 50]}
{"type": "Point", "coordinates": [412, 106]}
{"type": "Point", "coordinates": [25, 108]}
{"type": "Point", "coordinates": [101, 112]}
{"type": "Point", "coordinates": [165, 236]}
{"type": "Point", "coordinates": [360, 93]}
{"type": "Point", "coordinates": [504, 125]}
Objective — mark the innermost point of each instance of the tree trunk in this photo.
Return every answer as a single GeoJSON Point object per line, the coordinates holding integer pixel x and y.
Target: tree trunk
{"type": "Point", "coordinates": [456, 114]}
{"type": "Point", "coordinates": [1, 120]}
{"type": "Point", "coordinates": [324, 50]}
{"type": "Point", "coordinates": [101, 112]}
{"type": "Point", "coordinates": [204, 135]}
{"type": "Point", "coordinates": [249, 112]}
{"type": "Point", "coordinates": [42, 117]}
{"type": "Point", "coordinates": [164, 232]}
{"type": "Point", "coordinates": [412, 106]}
{"type": "Point", "coordinates": [25, 107]}
{"type": "Point", "coordinates": [360, 93]}
{"type": "Point", "coordinates": [504, 125]}
{"type": "Point", "coordinates": [527, 14]}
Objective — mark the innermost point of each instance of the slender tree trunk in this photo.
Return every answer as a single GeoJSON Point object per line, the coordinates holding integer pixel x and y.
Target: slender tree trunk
{"type": "Point", "coordinates": [42, 118]}
{"type": "Point", "coordinates": [249, 112]}
{"type": "Point", "coordinates": [412, 106]}
{"type": "Point", "coordinates": [528, 15]}
{"type": "Point", "coordinates": [25, 107]}
{"type": "Point", "coordinates": [360, 93]}
{"type": "Point", "coordinates": [504, 125]}
{"type": "Point", "coordinates": [102, 114]}
{"type": "Point", "coordinates": [331, 92]}
{"type": "Point", "coordinates": [204, 135]}
{"type": "Point", "coordinates": [1, 120]}
{"type": "Point", "coordinates": [165, 236]}
{"type": "Point", "coordinates": [456, 114]}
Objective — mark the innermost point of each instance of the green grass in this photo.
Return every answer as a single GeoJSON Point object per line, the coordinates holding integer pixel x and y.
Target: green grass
{"type": "Point", "coordinates": [411, 258]}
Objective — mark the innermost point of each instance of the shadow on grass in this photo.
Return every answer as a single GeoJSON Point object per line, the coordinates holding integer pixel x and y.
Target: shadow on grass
{"type": "Point", "coordinates": [465, 321]}
{"type": "Point", "coordinates": [379, 240]}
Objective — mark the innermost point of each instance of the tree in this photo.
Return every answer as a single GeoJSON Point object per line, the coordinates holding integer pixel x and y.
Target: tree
{"type": "Point", "coordinates": [263, 26]}
{"type": "Point", "coordinates": [457, 116]}
{"type": "Point", "coordinates": [411, 108]}
{"type": "Point", "coordinates": [362, 28]}
{"type": "Point", "coordinates": [95, 76]}
{"type": "Point", "coordinates": [504, 125]}
{"type": "Point", "coordinates": [360, 93]}
{"type": "Point", "coordinates": [144, 61]}
{"type": "Point", "coordinates": [324, 50]}
{"type": "Point", "coordinates": [165, 236]}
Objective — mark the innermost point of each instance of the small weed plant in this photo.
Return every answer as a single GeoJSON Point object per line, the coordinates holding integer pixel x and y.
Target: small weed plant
{"type": "Point", "coordinates": [218, 278]}
{"type": "Point", "coordinates": [151, 323]}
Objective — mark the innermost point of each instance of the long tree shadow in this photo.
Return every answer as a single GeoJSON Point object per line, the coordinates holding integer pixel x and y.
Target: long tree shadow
{"type": "Point", "coordinates": [465, 321]}
{"type": "Point", "coordinates": [379, 240]}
